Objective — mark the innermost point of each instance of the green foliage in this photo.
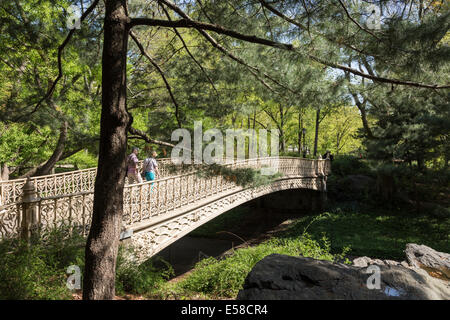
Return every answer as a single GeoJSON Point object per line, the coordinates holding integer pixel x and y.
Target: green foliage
{"type": "Point", "coordinates": [62, 248]}
{"type": "Point", "coordinates": [375, 232]}
{"type": "Point", "coordinates": [30, 34]}
{"type": "Point", "coordinates": [244, 177]}
{"type": "Point", "coordinates": [346, 164]}
{"type": "Point", "coordinates": [18, 145]}
{"type": "Point", "coordinates": [38, 271]}
{"type": "Point", "coordinates": [140, 279]}
{"type": "Point", "coordinates": [25, 275]}
{"type": "Point", "coordinates": [82, 160]}
{"type": "Point", "coordinates": [277, 90]}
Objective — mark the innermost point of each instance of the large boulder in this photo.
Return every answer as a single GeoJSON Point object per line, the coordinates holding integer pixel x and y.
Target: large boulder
{"type": "Point", "coordinates": [281, 277]}
{"type": "Point", "coordinates": [435, 263]}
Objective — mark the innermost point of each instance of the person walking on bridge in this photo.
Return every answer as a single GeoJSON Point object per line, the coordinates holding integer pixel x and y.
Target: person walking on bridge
{"type": "Point", "coordinates": [328, 156]}
{"type": "Point", "coordinates": [133, 172]}
{"type": "Point", "coordinates": [150, 167]}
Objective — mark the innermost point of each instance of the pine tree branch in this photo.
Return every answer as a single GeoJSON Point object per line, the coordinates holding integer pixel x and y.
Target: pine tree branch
{"type": "Point", "coordinates": [191, 55]}
{"type": "Point", "coordinates": [283, 16]}
{"type": "Point", "coordinates": [187, 22]}
{"type": "Point", "coordinates": [142, 135]}
{"type": "Point", "coordinates": [356, 22]}
{"type": "Point", "coordinates": [377, 78]}
{"type": "Point", "coordinates": [60, 70]}
{"type": "Point", "coordinates": [253, 70]}
{"type": "Point", "coordinates": [161, 72]}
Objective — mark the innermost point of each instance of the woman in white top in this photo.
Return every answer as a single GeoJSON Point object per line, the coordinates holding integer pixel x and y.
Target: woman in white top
{"type": "Point", "coordinates": [150, 167]}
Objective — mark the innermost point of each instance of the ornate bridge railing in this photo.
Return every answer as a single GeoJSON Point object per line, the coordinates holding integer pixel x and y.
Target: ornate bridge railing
{"type": "Point", "coordinates": [149, 200]}
{"type": "Point", "coordinates": [144, 204]}
{"type": "Point", "coordinates": [59, 184]}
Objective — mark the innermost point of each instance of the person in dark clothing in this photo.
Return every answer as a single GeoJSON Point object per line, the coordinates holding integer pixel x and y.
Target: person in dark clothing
{"type": "Point", "coordinates": [328, 155]}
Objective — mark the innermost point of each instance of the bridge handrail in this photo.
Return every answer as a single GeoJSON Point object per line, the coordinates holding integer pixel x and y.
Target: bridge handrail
{"type": "Point", "coordinates": [226, 164]}
{"type": "Point", "coordinates": [65, 182]}
{"type": "Point", "coordinates": [149, 199]}
{"type": "Point", "coordinates": [175, 176]}
{"type": "Point", "coordinates": [55, 184]}
{"type": "Point", "coordinates": [72, 172]}
{"type": "Point", "coordinates": [68, 173]}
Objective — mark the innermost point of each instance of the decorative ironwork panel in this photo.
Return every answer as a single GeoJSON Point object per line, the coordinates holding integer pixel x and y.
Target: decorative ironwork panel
{"type": "Point", "coordinates": [9, 220]}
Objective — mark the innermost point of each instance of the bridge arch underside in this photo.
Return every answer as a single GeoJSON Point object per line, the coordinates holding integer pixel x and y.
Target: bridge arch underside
{"type": "Point", "coordinates": [150, 238]}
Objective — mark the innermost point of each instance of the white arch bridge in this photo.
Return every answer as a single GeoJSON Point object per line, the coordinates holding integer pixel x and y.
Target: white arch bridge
{"type": "Point", "coordinates": [156, 213]}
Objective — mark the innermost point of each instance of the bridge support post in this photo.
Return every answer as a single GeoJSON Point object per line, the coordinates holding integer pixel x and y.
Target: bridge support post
{"type": "Point", "coordinates": [323, 192]}
{"type": "Point", "coordinates": [29, 218]}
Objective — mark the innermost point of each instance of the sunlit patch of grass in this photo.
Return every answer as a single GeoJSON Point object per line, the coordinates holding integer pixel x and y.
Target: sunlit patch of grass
{"type": "Point", "coordinates": [376, 233]}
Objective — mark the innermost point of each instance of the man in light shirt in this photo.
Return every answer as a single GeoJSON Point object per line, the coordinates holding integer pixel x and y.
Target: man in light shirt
{"type": "Point", "coordinates": [133, 173]}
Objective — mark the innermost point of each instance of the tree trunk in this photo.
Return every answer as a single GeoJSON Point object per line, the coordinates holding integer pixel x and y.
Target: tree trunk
{"type": "Point", "coordinates": [362, 109]}
{"type": "Point", "coordinates": [4, 172]}
{"type": "Point", "coordinates": [282, 140]}
{"type": "Point", "coordinates": [446, 160]}
{"type": "Point", "coordinates": [300, 132]}
{"type": "Point", "coordinates": [316, 135]}
{"type": "Point", "coordinates": [420, 163]}
{"type": "Point", "coordinates": [103, 240]}
{"type": "Point", "coordinates": [281, 129]}
{"type": "Point", "coordinates": [57, 153]}
{"type": "Point", "coordinates": [65, 155]}
{"type": "Point", "coordinates": [338, 142]}
{"type": "Point", "coordinates": [420, 10]}
{"type": "Point", "coordinates": [46, 167]}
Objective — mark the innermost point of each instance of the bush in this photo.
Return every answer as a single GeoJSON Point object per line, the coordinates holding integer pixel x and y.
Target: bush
{"type": "Point", "coordinates": [82, 160]}
{"type": "Point", "coordinates": [244, 177]}
{"type": "Point", "coordinates": [62, 248]}
{"type": "Point", "coordinates": [31, 272]}
{"type": "Point", "coordinates": [38, 271]}
{"type": "Point", "coordinates": [291, 154]}
{"type": "Point", "coordinates": [140, 279]}
{"type": "Point", "coordinates": [349, 165]}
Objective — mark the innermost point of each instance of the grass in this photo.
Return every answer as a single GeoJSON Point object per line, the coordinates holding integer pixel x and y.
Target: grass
{"type": "Point", "coordinates": [375, 232]}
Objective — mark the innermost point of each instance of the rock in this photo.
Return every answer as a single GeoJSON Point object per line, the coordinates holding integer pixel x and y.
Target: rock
{"type": "Point", "coordinates": [362, 262]}
{"type": "Point", "coordinates": [404, 264]}
{"type": "Point", "coordinates": [378, 262]}
{"type": "Point", "coordinates": [434, 262]}
{"type": "Point", "coordinates": [281, 277]}
{"type": "Point", "coordinates": [391, 262]}
{"type": "Point", "coordinates": [366, 261]}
